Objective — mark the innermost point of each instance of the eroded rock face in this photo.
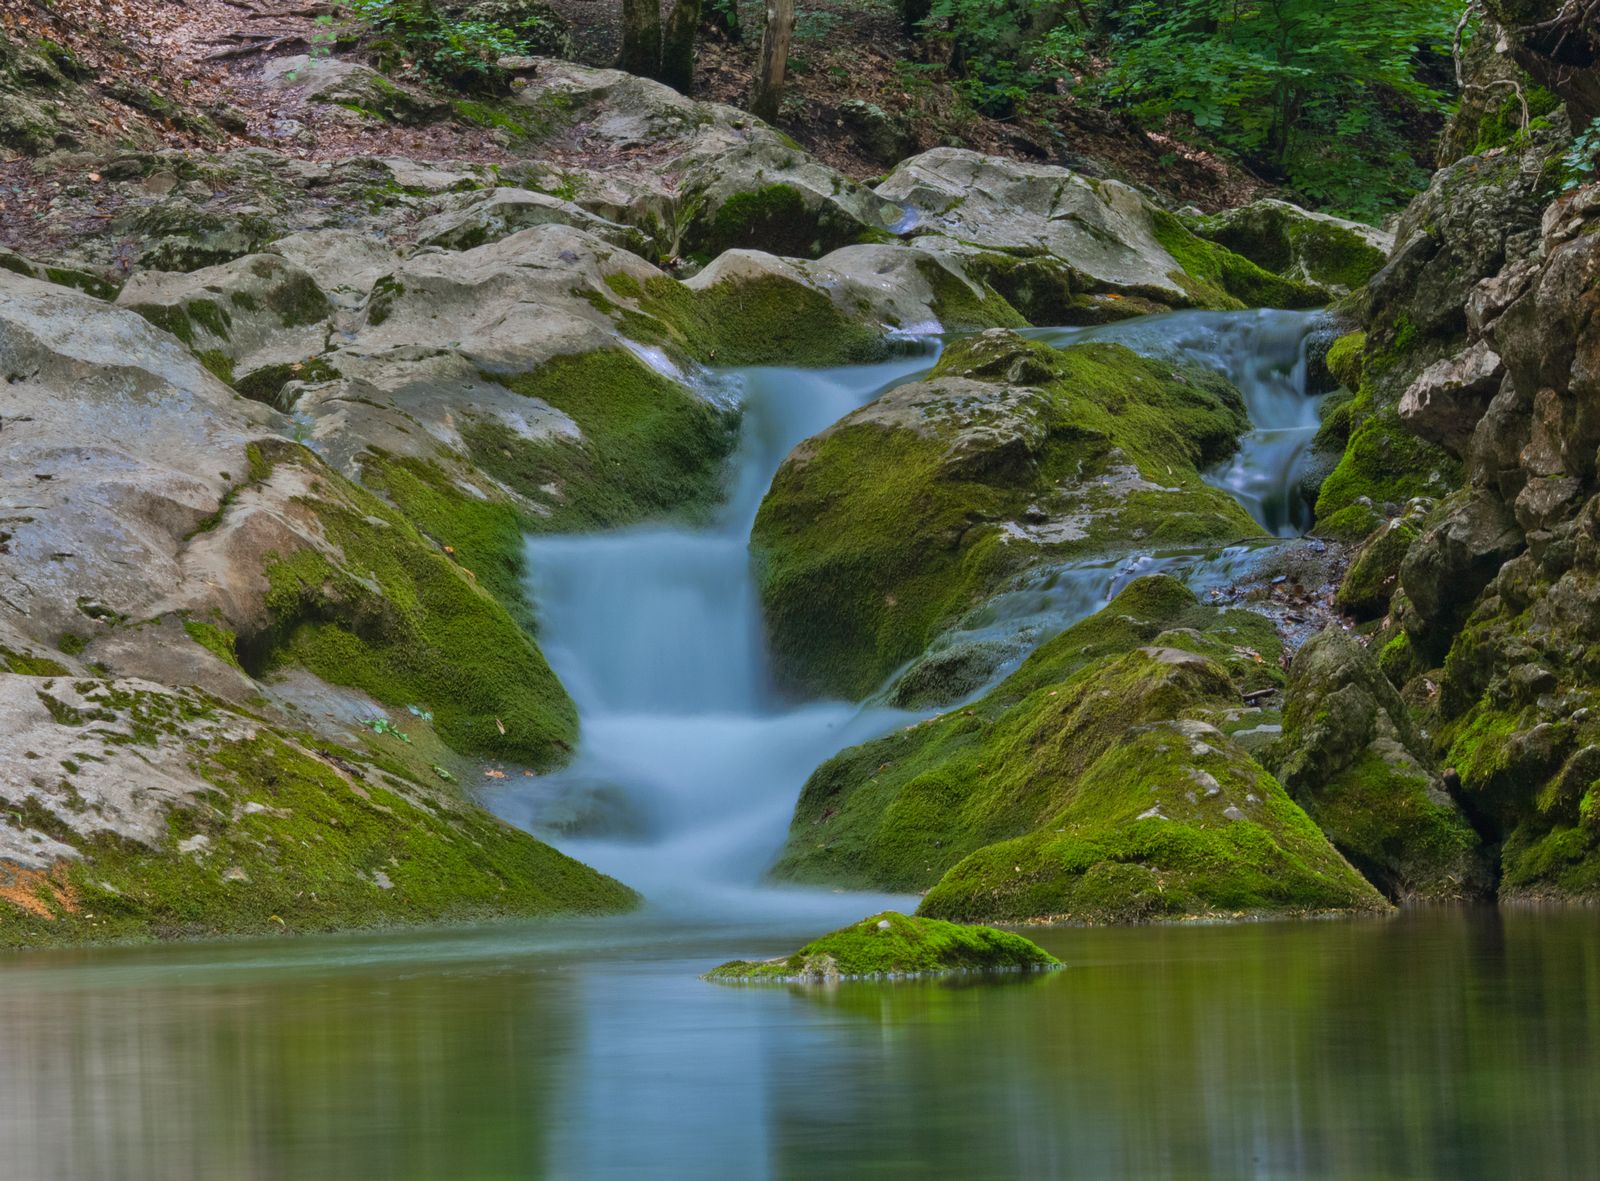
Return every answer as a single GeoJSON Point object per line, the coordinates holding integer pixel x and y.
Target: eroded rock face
{"type": "Point", "coordinates": [165, 551]}
{"type": "Point", "coordinates": [1493, 618]}
{"type": "Point", "coordinates": [1448, 398]}
{"type": "Point", "coordinates": [1352, 759]}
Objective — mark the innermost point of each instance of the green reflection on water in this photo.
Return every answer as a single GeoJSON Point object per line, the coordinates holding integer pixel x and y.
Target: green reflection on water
{"type": "Point", "coordinates": [1439, 1044]}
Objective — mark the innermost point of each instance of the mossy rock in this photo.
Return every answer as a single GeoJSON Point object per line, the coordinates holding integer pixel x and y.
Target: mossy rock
{"type": "Point", "coordinates": [1352, 759]}
{"type": "Point", "coordinates": [290, 834]}
{"type": "Point", "coordinates": [755, 320]}
{"type": "Point", "coordinates": [386, 611]}
{"type": "Point", "coordinates": [649, 447]}
{"type": "Point", "coordinates": [882, 530]}
{"type": "Point", "coordinates": [1374, 572]}
{"type": "Point", "coordinates": [1114, 717]}
{"type": "Point", "coordinates": [1327, 252]}
{"type": "Point", "coordinates": [1216, 277]}
{"type": "Point", "coordinates": [892, 945]}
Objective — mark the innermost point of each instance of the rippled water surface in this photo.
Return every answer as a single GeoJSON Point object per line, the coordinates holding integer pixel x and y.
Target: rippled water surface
{"type": "Point", "coordinates": [1447, 1044]}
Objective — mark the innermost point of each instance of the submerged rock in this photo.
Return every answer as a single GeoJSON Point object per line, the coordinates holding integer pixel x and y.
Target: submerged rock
{"type": "Point", "coordinates": [890, 945]}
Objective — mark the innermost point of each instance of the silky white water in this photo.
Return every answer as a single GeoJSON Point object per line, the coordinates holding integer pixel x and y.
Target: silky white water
{"type": "Point", "coordinates": [689, 765]}
{"type": "Point", "coordinates": [1263, 353]}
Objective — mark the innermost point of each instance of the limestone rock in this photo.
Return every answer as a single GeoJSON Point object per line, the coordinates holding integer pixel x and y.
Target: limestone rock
{"type": "Point", "coordinates": [1448, 398]}
{"type": "Point", "coordinates": [504, 211]}
{"type": "Point", "coordinates": [357, 88]}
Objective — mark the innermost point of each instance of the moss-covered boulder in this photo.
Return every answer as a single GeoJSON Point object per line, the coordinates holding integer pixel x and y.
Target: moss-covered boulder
{"type": "Point", "coordinates": [891, 946]}
{"type": "Point", "coordinates": [140, 812]}
{"type": "Point", "coordinates": [881, 530]}
{"type": "Point", "coordinates": [1061, 229]}
{"type": "Point", "coordinates": [1316, 249]}
{"type": "Point", "coordinates": [1374, 572]}
{"type": "Point", "coordinates": [735, 182]}
{"type": "Point", "coordinates": [1097, 783]}
{"type": "Point", "coordinates": [1351, 757]}
{"type": "Point", "coordinates": [351, 87]}
{"type": "Point", "coordinates": [186, 579]}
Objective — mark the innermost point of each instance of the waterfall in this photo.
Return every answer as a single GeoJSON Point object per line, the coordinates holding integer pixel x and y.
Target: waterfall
{"type": "Point", "coordinates": [690, 766]}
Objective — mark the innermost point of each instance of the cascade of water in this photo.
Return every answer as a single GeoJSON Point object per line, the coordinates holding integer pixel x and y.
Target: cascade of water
{"type": "Point", "coordinates": [1264, 354]}
{"type": "Point", "coordinates": [689, 767]}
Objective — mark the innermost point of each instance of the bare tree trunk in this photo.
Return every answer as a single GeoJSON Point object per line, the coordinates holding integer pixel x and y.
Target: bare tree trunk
{"type": "Point", "coordinates": [775, 36]}
{"type": "Point", "coordinates": [677, 45]}
{"type": "Point", "coordinates": [641, 37]}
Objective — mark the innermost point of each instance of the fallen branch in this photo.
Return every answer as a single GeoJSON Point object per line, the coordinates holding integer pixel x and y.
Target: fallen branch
{"type": "Point", "coordinates": [292, 40]}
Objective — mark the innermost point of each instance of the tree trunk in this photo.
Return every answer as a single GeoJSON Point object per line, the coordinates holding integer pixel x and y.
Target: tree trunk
{"type": "Point", "coordinates": [775, 36]}
{"type": "Point", "coordinates": [677, 45]}
{"type": "Point", "coordinates": [641, 37]}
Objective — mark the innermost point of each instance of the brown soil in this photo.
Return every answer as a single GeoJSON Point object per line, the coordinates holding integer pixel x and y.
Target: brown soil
{"type": "Point", "coordinates": [844, 50]}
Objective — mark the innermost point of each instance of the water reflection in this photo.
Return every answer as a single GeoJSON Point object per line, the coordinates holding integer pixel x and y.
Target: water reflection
{"type": "Point", "coordinates": [1453, 1044]}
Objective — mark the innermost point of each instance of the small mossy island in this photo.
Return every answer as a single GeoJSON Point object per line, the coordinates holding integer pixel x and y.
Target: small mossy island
{"type": "Point", "coordinates": [891, 946]}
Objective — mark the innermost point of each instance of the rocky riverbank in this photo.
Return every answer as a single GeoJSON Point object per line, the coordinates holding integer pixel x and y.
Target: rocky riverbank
{"type": "Point", "coordinates": [276, 427]}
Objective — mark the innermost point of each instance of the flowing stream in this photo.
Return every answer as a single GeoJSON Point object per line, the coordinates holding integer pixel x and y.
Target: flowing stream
{"type": "Point", "coordinates": [689, 767]}
{"type": "Point", "coordinates": [1447, 1043]}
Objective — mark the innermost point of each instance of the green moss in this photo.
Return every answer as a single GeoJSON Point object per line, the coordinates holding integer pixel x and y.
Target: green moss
{"type": "Point", "coordinates": [221, 642]}
{"type": "Point", "coordinates": [900, 812]}
{"type": "Point", "coordinates": [1383, 463]}
{"type": "Point", "coordinates": [1500, 124]}
{"type": "Point", "coordinates": [890, 945]}
{"type": "Point", "coordinates": [1087, 786]}
{"type": "Point", "coordinates": [1216, 277]}
{"type": "Point", "coordinates": [29, 664]}
{"type": "Point", "coordinates": [482, 534]}
{"type": "Point", "coordinates": [218, 364]}
{"type": "Point", "coordinates": [266, 384]}
{"type": "Point", "coordinates": [72, 644]}
{"type": "Point", "coordinates": [766, 321]}
{"type": "Point", "coordinates": [325, 846]}
{"type": "Point", "coordinates": [776, 218]}
{"type": "Point", "coordinates": [961, 308]}
{"type": "Point", "coordinates": [1344, 359]}
{"type": "Point", "coordinates": [1375, 571]}
{"type": "Point", "coordinates": [650, 448]}
{"type": "Point", "coordinates": [876, 535]}
{"type": "Point", "coordinates": [397, 619]}
{"type": "Point", "coordinates": [297, 301]}
{"type": "Point", "coordinates": [173, 319]}
{"type": "Point", "coordinates": [1142, 839]}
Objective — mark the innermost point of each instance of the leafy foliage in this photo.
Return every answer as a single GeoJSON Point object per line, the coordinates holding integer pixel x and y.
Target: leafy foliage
{"type": "Point", "coordinates": [1582, 157]}
{"type": "Point", "coordinates": [1326, 97]}
{"type": "Point", "coordinates": [456, 51]}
